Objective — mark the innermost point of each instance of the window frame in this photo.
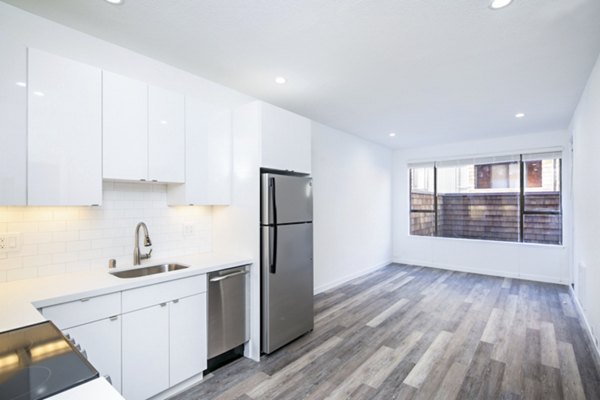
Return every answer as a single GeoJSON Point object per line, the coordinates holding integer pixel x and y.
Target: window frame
{"type": "Point", "coordinates": [522, 211]}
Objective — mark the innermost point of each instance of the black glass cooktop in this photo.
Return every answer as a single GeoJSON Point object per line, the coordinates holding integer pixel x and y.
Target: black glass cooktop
{"type": "Point", "coordinates": [37, 361]}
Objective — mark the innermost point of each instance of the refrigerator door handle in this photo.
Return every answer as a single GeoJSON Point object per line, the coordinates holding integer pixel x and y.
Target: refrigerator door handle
{"type": "Point", "coordinates": [273, 266]}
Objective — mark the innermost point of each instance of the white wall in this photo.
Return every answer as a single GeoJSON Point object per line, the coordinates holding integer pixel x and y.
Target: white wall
{"type": "Point", "coordinates": [528, 261]}
{"type": "Point", "coordinates": [585, 128]}
{"type": "Point", "coordinates": [58, 240]}
{"type": "Point", "coordinates": [352, 206]}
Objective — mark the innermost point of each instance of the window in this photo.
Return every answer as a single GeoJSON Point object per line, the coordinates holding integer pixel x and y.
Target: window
{"type": "Point", "coordinates": [511, 198]}
{"type": "Point", "coordinates": [501, 175]}
{"type": "Point", "coordinates": [422, 201]}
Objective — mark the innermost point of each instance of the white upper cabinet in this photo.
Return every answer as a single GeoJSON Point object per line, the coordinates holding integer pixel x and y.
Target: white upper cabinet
{"type": "Point", "coordinates": [166, 136]}
{"type": "Point", "coordinates": [286, 139]}
{"type": "Point", "coordinates": [13, 123]}
{"type": "Point", "coordinates": [125, 128]}
{"type": "Point", "coordinates": [208, 160]}
{"type": "Point", "coordinates": [143, 131]}
{"type": "Point", "coordinates": [64, 129]}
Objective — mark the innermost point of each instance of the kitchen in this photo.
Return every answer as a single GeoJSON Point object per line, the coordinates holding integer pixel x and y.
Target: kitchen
{"type": "Point", "coordinates": [78, 197]}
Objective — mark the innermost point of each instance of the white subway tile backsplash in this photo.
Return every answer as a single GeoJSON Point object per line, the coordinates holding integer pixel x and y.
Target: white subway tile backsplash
{"type": "Point", "coordinates": [66, 236]}
{"type": "Point", "coordinates": [22, 273]}
{"type": "Point", "coordinates": [38, 214]}
{"type": "Point", "coordinates": [58, 240]}
{"type": "Point", "coordinates": [52, 270]}
{"type": "Point", "coordinates": [10, 214]}
{"type": "Point", "coordinates": [36, 237]}
{"type": "Point", "coordinates": [36, 261]}
{"type": "Point", "coordinates": [89, 254]}
{"type": "Point", "coordinates": [78, 245]}
{"type": "Point", "coordinates": [10, 263]}
{"type": "Point", "coordinates": [25, 227]}
{"type": "Point", "coordinates": [62, 258]}
{"type": "Point", "coordinates": [52, 226]}
{"type": "Point", "coordinates": [52, 248]}
{"type": "Point", "coordinates": [90, 234]}
{"type": "Point", "coordinates": [26, 250]}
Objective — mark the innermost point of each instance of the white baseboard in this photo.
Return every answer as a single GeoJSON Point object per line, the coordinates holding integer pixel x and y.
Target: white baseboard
{"type": "Point", "coordinates": [588, 328]}
{"type": "Point", "coordinates": [498, 273]}
{"type": "Point", "coordinates": [344, 279]}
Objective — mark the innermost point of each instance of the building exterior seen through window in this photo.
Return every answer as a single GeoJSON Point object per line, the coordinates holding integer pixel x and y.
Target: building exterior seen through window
{"type": "Point", "coordinates": [511, 198]}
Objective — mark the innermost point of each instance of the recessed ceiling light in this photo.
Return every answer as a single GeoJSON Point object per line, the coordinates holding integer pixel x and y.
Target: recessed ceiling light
{"type": "Point", "coordinates": [280, 80]}
{"type": "Point", "coordinates": [21, 84]}
{"type": "Point", "coordinates": [38, 93]}
{"type": "Point", "coordinates": [163, 121]}
{"type": "Point", "coordinates": [498, 4]}
{"type": "Point", "coordinates": [519, 115]}
{"type": "Point", "coordinates": [115, 1]}
{"type": "Point", "coordinates": [392, 134]}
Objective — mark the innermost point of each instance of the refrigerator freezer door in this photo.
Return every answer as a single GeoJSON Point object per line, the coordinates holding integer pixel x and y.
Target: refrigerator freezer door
{"type": "Point", "coordinates": [287, 294]}
{"type": "Point", "coordinates": [290, 197]}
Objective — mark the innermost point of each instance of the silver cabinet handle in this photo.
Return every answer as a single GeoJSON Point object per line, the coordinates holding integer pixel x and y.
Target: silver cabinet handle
{"type": "Point", "coordinates": [114, 318]}
{"type": "Point", "coordinates": [220, 278]}
{"type": "Point", "coordinates": [163, 304]}
{"type": "Point", "coordinates": [84, 300]}
{"type": "Point", "coordinates": [176, 301]}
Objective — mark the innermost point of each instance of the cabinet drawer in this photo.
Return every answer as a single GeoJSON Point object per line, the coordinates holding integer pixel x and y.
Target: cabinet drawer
{"type": "Point", "coordinates": [146, 296]}
{"type": "Point", "coordinates": [85, 310]}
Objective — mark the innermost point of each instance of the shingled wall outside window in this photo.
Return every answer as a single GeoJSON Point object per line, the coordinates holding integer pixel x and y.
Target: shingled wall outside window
{"type": "Point", "coordinates": [511, 198]}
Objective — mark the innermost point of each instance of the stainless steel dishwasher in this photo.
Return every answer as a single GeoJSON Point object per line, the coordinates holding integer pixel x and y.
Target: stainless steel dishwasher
{"type": "Point", "coordinates": [227, 311]}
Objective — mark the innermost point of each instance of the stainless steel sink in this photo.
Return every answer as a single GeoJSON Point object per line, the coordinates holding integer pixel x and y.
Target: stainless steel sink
{"type": "Point", "coordinates": [151, 270]}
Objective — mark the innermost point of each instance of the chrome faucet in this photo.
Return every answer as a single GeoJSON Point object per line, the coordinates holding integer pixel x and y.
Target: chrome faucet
{"type": "Point", "coordinates": [137, 256]}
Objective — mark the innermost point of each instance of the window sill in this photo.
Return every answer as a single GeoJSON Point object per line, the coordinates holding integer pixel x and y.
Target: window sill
{"type": "Point", "coordinates": [492, 242]}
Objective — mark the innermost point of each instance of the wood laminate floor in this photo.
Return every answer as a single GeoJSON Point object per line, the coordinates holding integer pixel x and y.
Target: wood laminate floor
{"type": "Point", "coordinates": [407, 332]}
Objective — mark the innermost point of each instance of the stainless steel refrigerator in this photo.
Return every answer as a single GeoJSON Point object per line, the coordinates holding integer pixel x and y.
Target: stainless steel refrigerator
{"type": "Point", "coordinates": [286, 259]}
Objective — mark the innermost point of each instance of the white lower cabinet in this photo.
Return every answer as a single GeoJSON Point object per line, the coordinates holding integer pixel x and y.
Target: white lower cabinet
{"type": "Point", "coordinates": [147, 339]}
{"type": "Point", "coordinates": [101, 340]}
{"type": "Point", "coordinates": [145, 352]}
{"type": "Point", "coordinates": [164, 336]}
{"type": "Point", "coordinates": [187, 339]}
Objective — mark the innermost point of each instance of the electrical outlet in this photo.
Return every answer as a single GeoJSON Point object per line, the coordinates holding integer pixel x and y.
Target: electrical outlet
{"type": "Point", "coordinates": [188, 230]}
{"type": "Point", "coordinates": [9, 242]}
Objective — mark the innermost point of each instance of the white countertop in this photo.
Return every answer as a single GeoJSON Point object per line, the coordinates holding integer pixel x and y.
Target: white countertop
{"type": "Point", "coordinates": [98, 389]}
{"type": "Point", "coordinates": [19, 300]}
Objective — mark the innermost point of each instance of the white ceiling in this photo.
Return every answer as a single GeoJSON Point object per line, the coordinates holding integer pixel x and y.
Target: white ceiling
{"type": "Point", "coordinates": [430, 70]}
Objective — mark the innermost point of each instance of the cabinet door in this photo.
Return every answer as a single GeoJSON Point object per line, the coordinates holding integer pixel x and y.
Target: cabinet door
{"type": "Point", "coordinates": [13, 122]}
{"type": "Point", "coordinates": [64, 126]}
{"type": "Point", "coordinates": [187, 337]}
{"type": "Point", "coordinates": [102, 342]}
{"type": "Point", "coordinates": [286, 139]}
{"type": "Point", "coordinates": [145, 352]}
{"type": "Point", "coordinates": [125, 128]}
{"type": "Point", "coordinates": [208, 159]}
{"type": "Point", "coordinates": [166, 136]}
